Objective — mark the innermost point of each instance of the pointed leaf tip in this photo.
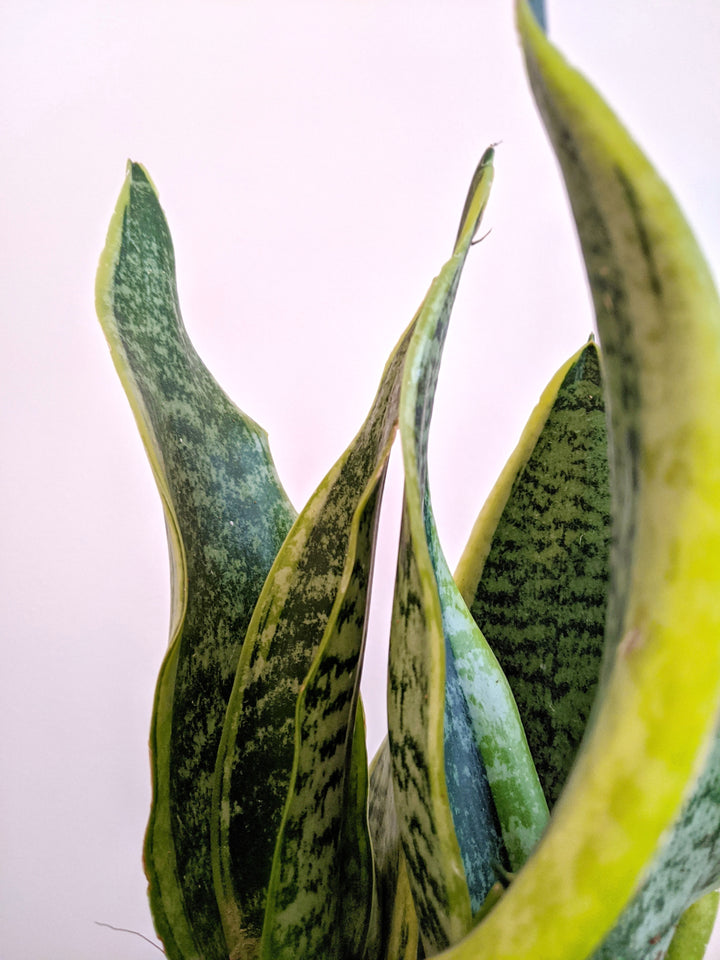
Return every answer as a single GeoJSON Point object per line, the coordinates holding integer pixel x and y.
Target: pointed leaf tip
{"type": "Point", "coordinates": [477, 197]}
{"type": "Point", "coordinates": [136, 173]}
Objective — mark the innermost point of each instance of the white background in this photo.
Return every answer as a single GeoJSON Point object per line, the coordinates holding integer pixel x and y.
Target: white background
{"type": "Point", "coordinates": [312, 159]}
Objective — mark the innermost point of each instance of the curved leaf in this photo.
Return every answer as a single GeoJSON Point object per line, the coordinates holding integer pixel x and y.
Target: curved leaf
{"type": "Point", "coordinates": [313, 603]}
{"type": "Point", "coordinates": [446, 813]}
{"type": "Point", "coordinates": [659, 321]}
{"type": "Point", "coordinates": [227, 516]}
{"type": "Point", "coordinates": [686, 867]}
{"type": "Point", "coordinates": [320, 892]}
{"type": "Point", "coordinates": [694, 930]}
{"type": "Point", "coordinates": [357, 915]}
{"type": "Point", "coordinates": [536, 576]}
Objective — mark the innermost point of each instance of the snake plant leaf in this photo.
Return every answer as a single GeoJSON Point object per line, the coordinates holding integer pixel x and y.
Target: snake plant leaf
{"type": "Point", "coordinates": [482, 693]}
{"type": "Point", "coordinates": [447, 816]}
{"type": "Point", "coordinates": [397, 936]}
{"type": "Point", "coordinates": [269, 741]}
{"type": "Point", "coordinates": [226, 515]}
{"type": "Point", "coordinates": [358, 916]}
{"type": "Point", "coordinates": [658, 318]}
{"type": "Point", "coordinates": [684, 870]}
{"type": "Point", "coordinates": [319, 900]}
{"type": "Point", "coordinates": [694, 929]}
{"type": "Point", "coordinates": [535, 571]}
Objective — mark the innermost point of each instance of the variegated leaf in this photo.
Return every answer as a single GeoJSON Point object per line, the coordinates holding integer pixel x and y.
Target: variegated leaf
{"type": "Point", "coordinates": [291, 714]}
{"type": "Point", "coordinates": [658, 317]}
{"type": "Point", "coordinates": [448, 821]}
{"type": "Point", "coordinates": [694, 930]}
{"type": "Point", "coordinates": [226, 517]}
{"type": "Point", "coordinates": [397, 936]}
{"type": "Point", "coordinates": [686, 868]}
{"type": "Point", "coordinates": [357, 916]}
{"type": "Point", "coordinates": [535, 571]}
{"type": "Point", "coordinates": [320, 893]}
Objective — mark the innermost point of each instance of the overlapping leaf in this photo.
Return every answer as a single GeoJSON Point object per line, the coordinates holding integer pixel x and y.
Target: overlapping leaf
{"type": "Point", "coordinates": [629, 220]}
{"type": "Point", "coordinates": [287, 741]}
{"type": "Point", "coordinates": [444, 746]}
{"type": "Point", "coordinates": [659, 323]}
{"type": "Point", "coordinates": [319, 901]}
{"type": "Point", "coordinates": [226, 517]}
{"type": "Point", "coordinates": [397, 936]}
{"type": "Point", "coordinates": [694, 930]}
{"type": "Point", "coordinates": [685, 869]}
{"type": "Point", "coordinates": [535, 571]}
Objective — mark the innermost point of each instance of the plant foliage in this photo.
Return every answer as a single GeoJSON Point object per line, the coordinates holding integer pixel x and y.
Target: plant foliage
{"type": "Point", "coordinates": [550, 785]}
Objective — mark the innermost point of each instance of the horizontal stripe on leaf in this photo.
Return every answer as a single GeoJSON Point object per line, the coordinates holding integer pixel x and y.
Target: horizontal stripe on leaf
{"type": "Point", "coordinates": [695, 929]}
{"type": "Point", "coordinates": [313, 602]}
{"type": "Point", "coordinates": [656, 707]}
{"type": "Point", "coordinates": [542, 593]}
{"type": "Point", "coordinates": [227, 516]}
{"type": "Point", "coordinates": [320, 895]}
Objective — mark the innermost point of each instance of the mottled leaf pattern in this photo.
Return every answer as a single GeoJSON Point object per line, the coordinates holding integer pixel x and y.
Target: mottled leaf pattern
{"type": "Point", "coordinates": [686, 868]}
{"type": "Point", "coordinates": [324, 826]}
{"type": "Point", "coordinates": [486, 708]}
{"type": "Point", "coordinates": [268, 837]}
{"type": "Point", "coordinates": [262, 746]}
{"type": "Point", "coordinates": [449, 826]}
{"type": "Point", "coordinates": [227, 516]}
{"type": "Point", "coordinates": [659, 324]}
{"type": "Point", "coordinates": [397, 924]}
{"type": "Point", "coordinates": [416, 698]}
{"type": "Point", "coordinates": [540, 595]}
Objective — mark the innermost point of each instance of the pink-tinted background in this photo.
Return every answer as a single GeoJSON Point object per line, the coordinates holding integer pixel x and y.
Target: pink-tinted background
{"type": "Point", "coordinates": [312, 159]}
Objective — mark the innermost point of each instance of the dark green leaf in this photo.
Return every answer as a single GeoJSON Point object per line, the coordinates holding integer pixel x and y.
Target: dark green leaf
{"type": "Point", "coordinates": [227, 516]}
{"type": "Point", "coordinates": [320, 894]}
{"type": "Point", "coordinates": [695, 929]}
{"type": "Point", "coordinates": [288, 732]}
{"type": "Point", "coordinates": [659, 322]}
{"type": "Point", "coordinates": [396, 922]}
{"type": "Point", "coordinates": [447, 818]}
{"type": "Point", "coordinates": [540, 594]}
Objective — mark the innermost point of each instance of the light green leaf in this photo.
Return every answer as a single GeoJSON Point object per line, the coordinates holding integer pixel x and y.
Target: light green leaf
{"type": "Point", "coordinates": [659, 322]}
{"type": "Point", "coordinates": [443, 713]}
{"type": "Point", "coordinates": [695, 928]}
{"type": "Point", "coordinates": [535, 571]}
{"type": "Point", "coordinates": [685, 868]}
{"type": "Point", "coordinates": [226, 515]}
{"type": "Point", "coordinates": [288, 732]}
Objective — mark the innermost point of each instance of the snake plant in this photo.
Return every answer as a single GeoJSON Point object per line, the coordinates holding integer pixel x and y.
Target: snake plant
{"type": "Point", "coordinates": [550, 784]}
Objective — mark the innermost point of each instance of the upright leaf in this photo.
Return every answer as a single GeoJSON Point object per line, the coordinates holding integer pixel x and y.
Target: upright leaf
{"type": "Point", "coordinates": [535, 571]}
{"type": "Point", "coordinates": [447, 817]}
{"type": "Point", "coordinates": [320, 893]}
{"type": "Point", "coordinates": [226, 517]}
{"type": "Point", "coordinates": [397, 924]}
{"type": "Point", "coordinates": [659, 322]}
{"type": "Point", "coordinates": [287, 739]}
